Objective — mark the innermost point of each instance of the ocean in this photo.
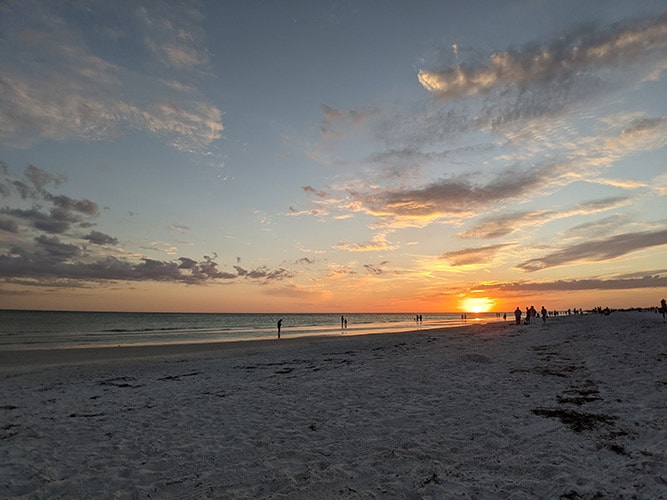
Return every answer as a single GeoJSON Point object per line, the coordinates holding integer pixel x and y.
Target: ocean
{"type": "Point", "coordinates": [60, 329]}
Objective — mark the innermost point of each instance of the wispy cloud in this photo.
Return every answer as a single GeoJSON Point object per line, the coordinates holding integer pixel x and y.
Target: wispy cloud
{"type": "Point", "coordinates": [378, 243]}
{"type": "Point", "coordinates": [173, 37]}
{"type": "Point", "coordinates": [473, 256]}
{"type": "Point", "coordinates": [561, 60]}
{"type": "Point", "coordinates": [600, 227]}
{"type": "Point", "coordinates": [508, 223]}
{"type": "Point", "coordinates": [598, 250]}
{"type": "Point", "coordinates": [505, 224]}
{"type": "Point", "coordinates": [649, 280]}
{"type": "Point", "coordinates": [336, 119]}
{"type": "Point", "coordinates": [453, 197]}
{"type": "Point", "coordinates": [56, 85]}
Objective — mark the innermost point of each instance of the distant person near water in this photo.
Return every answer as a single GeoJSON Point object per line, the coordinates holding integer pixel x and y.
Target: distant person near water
{"type": "Point", "coordinates": [663, 308]}
{"type": "Point", "coordinates": [280, 323]}
{"type": "Point", "coordinates": [544, 314]}
{"type": "Point", "coordinates": [517, 315]}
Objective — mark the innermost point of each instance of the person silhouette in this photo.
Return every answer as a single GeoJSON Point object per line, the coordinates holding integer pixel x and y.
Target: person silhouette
{"type": "Point", "coordinates": [517, 315]}
{"type": "Point", "coordinates": [280, 323]}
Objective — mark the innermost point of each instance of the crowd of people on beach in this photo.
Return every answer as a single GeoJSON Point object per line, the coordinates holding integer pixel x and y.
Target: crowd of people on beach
{"type": "Point", "coordinates": [531, 315]}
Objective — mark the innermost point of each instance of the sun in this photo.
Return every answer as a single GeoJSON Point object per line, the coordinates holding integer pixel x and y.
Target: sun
{"type": "Point", "coordinates": [476, 304]}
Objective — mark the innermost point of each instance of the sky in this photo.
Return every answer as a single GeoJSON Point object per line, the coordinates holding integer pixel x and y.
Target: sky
{"type": "Point", "coordinates": [344, 156]}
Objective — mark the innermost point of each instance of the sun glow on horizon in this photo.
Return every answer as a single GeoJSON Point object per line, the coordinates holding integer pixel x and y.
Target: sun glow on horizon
{"type": "Point", "coordinates": [476, 304]}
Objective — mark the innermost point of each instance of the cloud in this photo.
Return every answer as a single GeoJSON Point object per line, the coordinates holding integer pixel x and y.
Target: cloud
{"type": "Point", "coordinates": [41, 178]}
{"type": "Point", "coordinates": [502, 225]}
{"type": "Point", "coordinates": [173, 36]}
{"type": "Point", "coordinates": [569, 55]}
{"type": "Point", "coordinates": [304, 261]}
{"type": "Point", "coordinates": [52, 247]}
{"type": "Point", "coordinates": [598, 250]}
{"type": "Point", "coordinates": [54, 261]}
{"type": "Point", "coordinates": [642, 125]}
{"type": "Point", "coordinates": [373, 269]}
{"type": "Point", "coordinates": [455, 196]}
{"type": "Point", "coordinates": [312, 191]}
{"type": "Point", "coordinates": [39, 220]}
{"type": "Point", "coordinates": [538, 150]}
{"type": "Point", "coordinates": [523, 92]}
{"type": "Point", "coordinates": [378, 243]}
{"type": "Point", "coordinates": [63, 212]}
{"type": "Point", "coordinates": [60, 256]}
{"type": "Point", "coordinates": [64, 86]}
{"type": "Point", "coordinates": [472, 256]}
{"type": "Point", "coordinates": [264, 273]}
{"type": "Point", "coordinates": [505, 224]}
{"type": "Point", "coordinates": [619, 283]}
{"type": "Point", "coordinates": [598, 227]}
{"type": "Point", "coordinates": [9, 225]}
{"type": "Point", "coordinates": [337, 119]}
{"type": "Point", "coordinates": [428, 123]}
{"type": "Point", "coordinates": [99, 238]}
{"type": "Point", "coordinates": [597, 152]}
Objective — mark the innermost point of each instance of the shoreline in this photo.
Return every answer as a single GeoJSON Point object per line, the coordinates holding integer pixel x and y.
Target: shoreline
{"type": "Point", "coordinates": [98, 353]}
{"type": "Point", "coordinates": [85, 330]}
{"type": "Point", "coordinates": [571, 408]}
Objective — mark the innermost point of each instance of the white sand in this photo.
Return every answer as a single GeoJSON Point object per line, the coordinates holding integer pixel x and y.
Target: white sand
{"type": "Point", "coordinates": [574, 408]}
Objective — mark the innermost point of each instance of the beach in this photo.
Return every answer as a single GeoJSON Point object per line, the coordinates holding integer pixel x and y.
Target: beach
{"type": "Point", "coordinates": [571, 408]}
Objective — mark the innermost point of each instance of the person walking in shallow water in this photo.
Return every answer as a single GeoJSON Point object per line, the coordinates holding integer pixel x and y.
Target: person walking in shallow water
{"type": "Point", "coordinates": [280, 323]}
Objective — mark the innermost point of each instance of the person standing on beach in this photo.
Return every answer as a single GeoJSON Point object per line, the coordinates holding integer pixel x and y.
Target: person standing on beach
{"type": "Point", "coordinates": [544, 314]}
{"type": "Point", "coordinates": [663, 308]}
{"type": "Point", "coordinates": [280, 323]}
{"type": "Point", "coordinates": [517, 315]}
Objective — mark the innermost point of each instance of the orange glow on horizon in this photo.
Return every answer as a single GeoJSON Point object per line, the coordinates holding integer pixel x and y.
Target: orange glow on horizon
{"type": "Point", "coordinates": [476, 304]}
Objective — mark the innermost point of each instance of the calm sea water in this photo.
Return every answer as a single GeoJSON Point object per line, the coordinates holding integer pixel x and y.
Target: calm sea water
{"type": "Point", "coordinates": [49, 329]}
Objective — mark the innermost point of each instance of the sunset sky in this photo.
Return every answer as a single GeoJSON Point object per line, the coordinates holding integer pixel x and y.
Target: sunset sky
{"type": "Point", "coordinates": [342, 156]}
